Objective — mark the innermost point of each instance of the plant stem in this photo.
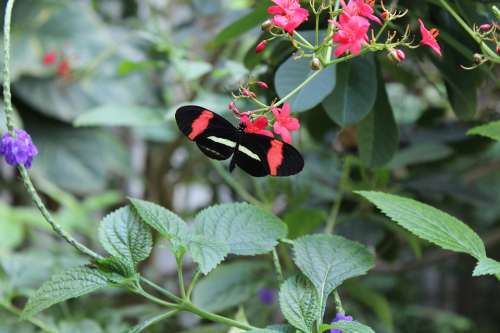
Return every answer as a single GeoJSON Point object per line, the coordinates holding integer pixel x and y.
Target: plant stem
{"type": "Point", "coordinates": [192, 284]}
{"type": "Point", "coordinates": [304, 41]}
{"type": "Point", "coordinates": [7, 95]}
{"type": "Point", "coordinates": [338, 302]}
{"type": "Point", "coordinates": [332, 219]}
{"type": "Point", "coordinates": [216, 318]}
{"type": "Point", "coordinates": [155, 299]}
{"type": "Point", "coordinates": [161, 290]}
{"type": "Point", "coordinates": [180, 276]}
{"type": "Point", "coordinates": [298, 88]}
{"type": "Point", "coordinates": [277, 266]}
{"type": "Point", "coordinates": [36, 322]}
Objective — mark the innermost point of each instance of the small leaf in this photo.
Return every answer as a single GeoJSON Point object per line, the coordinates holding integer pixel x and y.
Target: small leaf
{"type": "Point", "coordinates": [247, 230]}
{"type": "Point", "coordinates": [347, 327]}
{"type": "Point", "coordinates": [293, 72]}
{"type": "Point", "coordinates": [228, 286]}
{"type": "Point", "coordinates": [487, 266]}
{"type": "Point", "coordinates": [72, 283]}
{"type": "Point", "coordinates": [428, 223]}
{"type": "Point", "coordinates": [124, 235]}
{"type": "Point", "coordinates": [330, 260]}
{"type": "Point", "coordinates": [299, 303]}
{"type": "Point", "coordinates": [355, 91]}
{"type": "Point", "coordinates": [207, 253]}
{"type": "Point", "coordinates": [168, 224]}
{"type": "Point", "coordinates": [149, 322]}
{"type": "Point", "coordinates": [115, 115]}
{"type": "Point", "coordinates": [378, 133]}
{"type": "Point", "coordinates": [490, 130]}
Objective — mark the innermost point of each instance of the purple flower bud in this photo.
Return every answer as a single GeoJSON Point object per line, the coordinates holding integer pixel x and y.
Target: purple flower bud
{"type": "Point", "coordinates": [19, 150]}
{"type": "Point", "coordinates": [266, 296]}
{"type": "Point", "coordinates": [339, 317]}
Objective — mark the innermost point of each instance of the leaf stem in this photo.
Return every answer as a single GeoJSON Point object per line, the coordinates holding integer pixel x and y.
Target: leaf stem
{"type": "Point", "coordinates": [304, 41]}
{"type": "Point", "coordinates": [277, 266]}
{"type": "Point", "coordinates": [192, 284]}
{"type": "Point", "coordinates": [298, 88]}
{"type": "Point", "coordinates": [161, 290]}
{"type": "Point", "coordinates": [188, 306]}
{"type": "Point", "coordinates": [332, 219]}
{"type": "Point", "coordinates": [180, 276]}
{"type": "Point", "coordinates": [155, 299]}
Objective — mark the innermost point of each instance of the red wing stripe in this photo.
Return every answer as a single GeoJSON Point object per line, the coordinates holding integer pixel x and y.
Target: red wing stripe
{"type": "Point", "coordinates": [200, 124]}
{"type": "Point", "coordinates": [275, 156]}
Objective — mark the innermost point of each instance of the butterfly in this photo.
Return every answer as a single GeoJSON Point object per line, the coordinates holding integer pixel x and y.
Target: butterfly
{"type": "Point", "coordinates": [256, 154]}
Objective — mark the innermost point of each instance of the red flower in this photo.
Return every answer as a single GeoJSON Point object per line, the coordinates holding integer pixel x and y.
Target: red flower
{"type": "Point", "coordinates": [63, 69]}
{"type": "Point", "coordinates": [49, 58]}
{"type": "Point", "coordinates": [288, 14]}
{"type": "Point", "coordinates": [352, 34]}
{"type": "Point", "coordinates": [285, 123]}
{"type": "Point", "coordinates": [360, 8]}
{"type": "Point", "coordinates": [258, 126]}
{"type": "Point", "coordinates": [429, 37]}
{"type": "Point", "coordinates": [262, 85]}
{"type": "Point", "coordinates": [261, 46]}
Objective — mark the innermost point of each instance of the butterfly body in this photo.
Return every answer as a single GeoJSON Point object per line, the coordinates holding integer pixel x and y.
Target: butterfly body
{"type": "Point", "coordinates": [256, 154]}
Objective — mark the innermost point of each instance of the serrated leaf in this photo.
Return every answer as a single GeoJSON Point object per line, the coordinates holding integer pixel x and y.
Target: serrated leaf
{"type": "Point", "coordinates": [486, 266]}
{"type": "Point", "coordinates": [378, 133]}
{"type": "Point", "coordinates": [428, 223]}
{"type": "Point", "coordinates": [117, 269]}
{"type": "Point", "coordinates": [228, 286]}
{"type": "Point", "coordinates": [299, 303]}
{"type": "Point", "coordinates": [123, 234]}
{"type": "Point", "coordinates": [207, 253]}
{"type": "Point", "coordinates": [72, 283]}
{"type": "Point", "coordinates": [355, 91]}
{"type": "Point", "coordinates": [167, 223]}
{"type": "Point", "coordinates": [248, 230]}
{"type": "Point", "coordinates": [115, 115]}
{"type": "Point", "coordinates": [330, 260]}
{"type": "Point", "coordinates": [347, 327]}
{"type": "Point", "coordinates": [293, 72]}
{"type": "Point", "coordinates": [490, 130]}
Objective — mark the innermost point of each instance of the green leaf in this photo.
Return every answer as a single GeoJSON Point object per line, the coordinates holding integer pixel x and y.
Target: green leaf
{"type": "Point", "coordinates": [247, 230]}
{"type": "Point", "coordinates": [420, 153]}
{"type": "Point", "coordinates": [114, 115]}
{"type": "Point", "coordinates": [330, 260]}
{"type": "Point", "coordinates": [428, 223]}
{"type": "Point", "coordinates": [228, 286]}
{"type": "Point", "coordinates": [490, 130]}
{"type": "Point", "coordinates": [167, 223]}
{"type": "Point", "coordinates": [355, 91]}
{"type": "Point", "coordinates": [293, 72]}
{"type": "Point", "coordinates": [81, 326]}
{"type": "Point", "coordinates": [149, 322]}
{"type": "Point", "coordinates": [241, 25]}
{"type": "Point", "coordinates": [302, 221]}
{"type": "Point", "coordinates": [72, 283]}
{"type": "Point", "coordinates": [299, 303]}
{"type": "Point", "coordinates": [378, 134]}
{"type": "Point", "coordinates": [191, 70]}
{"type": "Point", "coordinates": [207, 253]}
{"type": "Point", "coordinates": [124, 235]}
{"type": "Point", "coordinates": [347, 327]}
{"type": "Point", "coordinates": [487, 266]}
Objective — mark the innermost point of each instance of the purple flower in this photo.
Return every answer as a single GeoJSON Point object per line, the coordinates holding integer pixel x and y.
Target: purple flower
{"type": "Point", "coordinates": [19, 150]}
{"type": "Point", "coordinates": [339, 317]}
{"type": "Point", "coordinates": [266, 296]}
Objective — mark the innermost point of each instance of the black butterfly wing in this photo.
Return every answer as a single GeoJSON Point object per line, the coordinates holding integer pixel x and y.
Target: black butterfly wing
{"type": "Point", "coordinates": [260, 155]}
{"type": "Point", "coordinates": [215, 136]}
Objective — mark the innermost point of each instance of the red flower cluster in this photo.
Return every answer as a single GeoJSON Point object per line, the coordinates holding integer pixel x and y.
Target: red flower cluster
{"type": "Point", "coordinates": [353, 26]}
{"type": "Point", "coordinates": [288, 14]}
{"type": "Point", "coordinates": [284, 124]}
{"type": "Point", "coordinates": [63, 67]}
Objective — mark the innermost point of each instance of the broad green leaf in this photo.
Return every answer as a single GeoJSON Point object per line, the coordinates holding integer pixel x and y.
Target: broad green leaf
{"type": "Point", "coordinates": [355, 91]}
{"type": "Point", "coordinates": [378, 134]}
{"type": "Point", "coordinates": [114, 115]}
{"type": "Point", "coordinates": [490, 130]}
{"type": "Point", "coordinates": [207, 252]}
{"type": "Point", "coordinates": [247, 230]}
{"type": "Point", "coordinates": [347, 327]}
{"type": "Point", "coordinates": [302, 221]}
{"type": "Point", "coordinates": [167, 223]}
{"type": "Point", "coordinates": [11, 230]}
{"type": "Point", "coordinates": [228, 286]}
{"type": "Point", "coordinates": [487, 266]}
{"type": "Point", "coordinates": [241, 25]}
{"type": "Point", "coordinates": [118, 270]}
{"type": "Point", "coordinates": [428, 223]}
{"type": "Point", "coordinates": [420, 153]}
{"type": "Point", "coordinates": [124, 235]}
{"type": "Point", "coordinates": [299, 303]}
{"type": "Point", "coordinates": [293, 72]}
{"type": "Point", "coordinates": [72, 283]}
{"type": "Point", "coordinates": [81, 326]}
{"type": "Point", "coordinates": [330, 260]}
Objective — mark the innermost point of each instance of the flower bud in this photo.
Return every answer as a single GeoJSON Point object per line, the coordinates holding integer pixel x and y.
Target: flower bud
{"type": "Point", "coordinates": [478, 58]}
{"type": "Point", "coordinates": [261, 46]}
{"type": "Point", "coordinates": [267, 26]}
{"type": "Point", "coordinates": [385, 15]}
{"type": "Point", "coordinates": [485, 27]}
{"type": "Point", "coordinates": [397, 54]}
{"type": "Point", "coordinates": [315, 64]}
{"type": "Point", "coordinates": [262, 85]}
{"type": "Point", "coordinates": [247, 93]}
{"type": "Point", "coordinates": [49, 58]}
{"type": "Point", "coordinates": [232, 107]}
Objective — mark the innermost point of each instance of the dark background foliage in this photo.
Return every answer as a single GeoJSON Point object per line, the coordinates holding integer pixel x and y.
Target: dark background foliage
{"type": "Point", "coordinates": [106, 131]}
